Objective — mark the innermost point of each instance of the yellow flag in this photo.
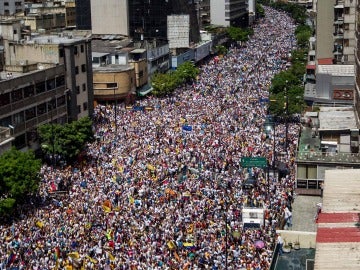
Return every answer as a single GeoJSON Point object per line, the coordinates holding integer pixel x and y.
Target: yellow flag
{"type": "Point", "coordinates": [111, 257]}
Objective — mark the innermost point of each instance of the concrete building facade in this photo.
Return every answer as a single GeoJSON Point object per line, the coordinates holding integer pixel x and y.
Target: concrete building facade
{"type": "Point", "coordinates": [357, 61]}
{"type": "Point", "coordinates": [83, 14]}
{"type": "Point", "coordinates": [63, 49]}
{"type": "Point", "coordinates": [344, 29]}
{"type": "Point", "coordinates": [335, 27]}
{"type": "Point", "coordinates": [32, 95]}
{"type": "Point", "coordinates": [10, 7]}
{"type": "Point", "coordinates": [110, 17]}
{"type": "Point", "coordinates": [229, 13]}
{"type": "Point", "coordinates": [324, 29]}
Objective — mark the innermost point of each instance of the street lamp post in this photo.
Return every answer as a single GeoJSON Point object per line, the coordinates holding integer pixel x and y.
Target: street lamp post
{"type": "Point", "coordinates": [286, 116]}
{"type": "Point", "coordinates": [268, 126]}
{"type": "Point", "coordinates": [226, 228]}
{"type": "Point", "coordinates": [115, 109]}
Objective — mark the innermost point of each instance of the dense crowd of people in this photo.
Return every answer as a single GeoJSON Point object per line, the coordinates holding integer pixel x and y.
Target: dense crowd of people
{"type": "Point", "coordinates": [166, 191]}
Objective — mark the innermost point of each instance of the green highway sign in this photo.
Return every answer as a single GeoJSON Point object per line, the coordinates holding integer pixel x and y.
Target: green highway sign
{"type": "Point", "coordinates": [248, 162]}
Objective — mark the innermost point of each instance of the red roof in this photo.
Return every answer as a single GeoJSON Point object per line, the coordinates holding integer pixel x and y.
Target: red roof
{"type": "Point", "coordinates": [325, 61]}
{"type": "Point", "coordinates": [338, 228]}
{"type": "Point", "coordinates": [336, 235]}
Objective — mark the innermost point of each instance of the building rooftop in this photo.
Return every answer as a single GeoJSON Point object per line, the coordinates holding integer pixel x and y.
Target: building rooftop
{"type": "Point", "coordinates": [328, 119]}
{"type": "Point", "coordinates": [338, 233]}
{"type": "Point", "coordinates": [65, 37]}
{"type": "Point", "coordinates": [109, 45]}
{"type": "Point", "coordinates": [337, 118]}
{"type": "Point", "coordinates": [112, 68]}
{"type": "Point", "coordinates": [337, 70]}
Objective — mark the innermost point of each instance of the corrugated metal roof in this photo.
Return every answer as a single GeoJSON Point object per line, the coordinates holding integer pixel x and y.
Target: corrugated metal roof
{"type": "Point", "coordinates": [337, 70]}
{"type": "Point", "coordinates": [338, 234]}
{"type": "Point", "coordinates": [337, 118]}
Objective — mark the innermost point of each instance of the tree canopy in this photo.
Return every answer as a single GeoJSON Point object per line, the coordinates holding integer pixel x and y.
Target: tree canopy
{"type": "Point", "coordinates": [165, 83]}
{"type": "Point", "coordinates": [19, 177]}
{"type": "Point", "coordinates": [66, 140]}
{"type": "Point", "coordinates": [239, 34]}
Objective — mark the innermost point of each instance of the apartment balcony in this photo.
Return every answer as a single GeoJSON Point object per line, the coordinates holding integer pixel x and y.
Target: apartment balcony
{"type": "Point", "coordinates": [349, 3]}
{"type": "Point", "coordinates": [348, 50]}
{"type": "Point", "coordinates": [339, 21]}
{"type": "Point", "coordinates": [333, 158]}
{"type": "Point", "coordinates": [338, 35]}
{"type": "Point", "coordinates": [349, 18]}
{"type": "Point", "coordinates": [349, 35]}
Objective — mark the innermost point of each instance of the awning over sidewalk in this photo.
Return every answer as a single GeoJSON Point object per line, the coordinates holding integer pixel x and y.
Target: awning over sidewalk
{"type": "Point", "coordinates": [145, 90]}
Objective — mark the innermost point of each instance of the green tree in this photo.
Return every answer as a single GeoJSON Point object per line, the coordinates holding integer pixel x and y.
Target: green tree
{"type": "Point", "coordinates": [283, 80]}
{"type": "Point", "coordinates": [187, 71]}
{"type": "Point", "coordinates": [165, 83]}
{"type": "Point", "coordinates": [239, 34]}
{"type": "Point", "coordinates": [303, 39]}
{"type": "Point", "coordinates": [221, 49]}
{"type": "Point", "coordinates": [259, 10]}
{"type": "Point", "coordinates": [19, 178]}
{"type": "Point", "coordinates": [66, 140]}
{"type": "Point", "coordinates": [295, 101]}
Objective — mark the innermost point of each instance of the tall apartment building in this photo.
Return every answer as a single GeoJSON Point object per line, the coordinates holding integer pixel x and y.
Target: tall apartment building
{"type": "Point", "coordinates": [110, 17]}
{"type": "Point", "coordinates": [74, 52]}
{"type": "Point", "coordinates": [147, 19]}
{"type": "Point", "coordinates": [203, 12]}
{"type": "Point", "coordinates": [32, 95]}
{"type": "Point", "coordinates": [10, 7]}
{"type": "Point", "coordinates": [335, 27]}
{"type": "Point", "coordinates": [229, 13]}
{"type": "Point", "coordinates": [344, 37]}
{"type": "Point", "coordinates": [83, 14]}
{"type": "Point", "coordinates": [357, 61]}
{"type": "Point", "coordinates": [325, 29]}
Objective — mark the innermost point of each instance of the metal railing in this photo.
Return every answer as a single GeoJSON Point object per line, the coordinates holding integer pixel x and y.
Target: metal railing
{"type": "Point", "coordinates": [328, 157]}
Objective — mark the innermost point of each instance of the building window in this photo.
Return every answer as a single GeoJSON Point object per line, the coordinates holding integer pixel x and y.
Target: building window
{"type": "Point", "coordinates": [51, 105]}
{"type": "Point", "coordinates": [77, 89]}
{"type": "Point", "coordinates": [141, 73]}
{"type": "Point", "coordinates": [76, 70]}
{"type": "Point", "coordinates": [50, 84]}
{"type": "Point", "coordinates": [75, 50]}
{"type": "Point", "coordinates": [15, 32]}
{"type": "Point", "coordinates": [79, 109]}
{"type": "Point", "coordinates": [40, 87]}
{"type": "Point", "coordinates": [16, 95]}
{"type": "Point", "coordinates": [61, 101]}
{"type": "Point", "coordinates": [19, 118]}
{"type": "Point", "coordinates": [61, 52]}
{"type": "Point", "coordinates": [4, 99]}
{"type": "Point", "coordinates": [6, 4]}
{"type": "Point", "coordinates": [41, 109]}
{"type": "Point", "coordinates": [83, 68]}
{"type": "Point", "coordinates": [84, 87]}
{"type": "Point", "coordinates": [28, 91]}
{"type": "Point", "coordinates": [111, 85]}
{"type": "Point", "coordinates": [82, 48]}
{"type": "Point", "coordinates": [30, 113]}
{"type": "Point", "coordinates": [85, 106]}
{"type": "Point", "coordinates": [60, 81]}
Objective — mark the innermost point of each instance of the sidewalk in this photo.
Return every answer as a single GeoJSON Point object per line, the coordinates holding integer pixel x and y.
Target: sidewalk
{"type": "Point", "coordinates": [304, 210]}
